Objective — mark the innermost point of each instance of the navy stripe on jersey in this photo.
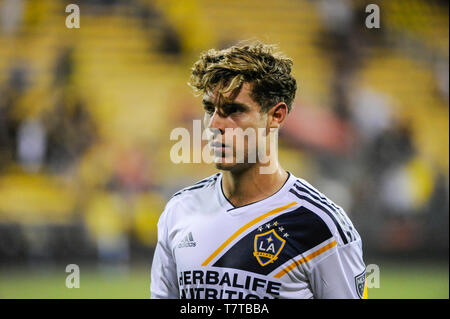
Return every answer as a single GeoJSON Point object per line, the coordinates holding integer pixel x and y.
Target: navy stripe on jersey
{"type": "Point", "coordinates": [331, 208]}
{"type": "Point", "coordinates": [342, 217]}
{"type": "Point", "coordinates": [214, 177]}
{"type": "Point", "coordinates": [304, 229]}
{"type": "Point", "coordinates": [322, 208]}
{"type": "Point", "coordinates": [201, 184]}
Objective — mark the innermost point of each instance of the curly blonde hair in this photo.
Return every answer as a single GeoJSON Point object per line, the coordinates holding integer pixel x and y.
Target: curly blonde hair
{"type": "Point", "coordinates": [261, 65]}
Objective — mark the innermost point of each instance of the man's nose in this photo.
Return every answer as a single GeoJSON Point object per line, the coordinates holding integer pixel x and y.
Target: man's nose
{"type": "Point", "coordinates": [217, 123]}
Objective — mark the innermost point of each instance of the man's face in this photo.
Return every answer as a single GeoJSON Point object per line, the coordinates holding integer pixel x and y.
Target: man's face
{"type": "Point", "coordinates": [234, 127]}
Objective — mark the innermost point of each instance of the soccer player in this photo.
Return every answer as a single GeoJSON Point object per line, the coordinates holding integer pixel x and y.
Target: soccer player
{"type": "Point", "coordinates": [253, 230]}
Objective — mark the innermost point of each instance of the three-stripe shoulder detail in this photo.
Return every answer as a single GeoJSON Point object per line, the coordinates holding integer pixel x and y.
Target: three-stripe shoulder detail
{"type": "Point", "coordinates": [201, 184]}
{"type": "Point", "coordinates": [343, 225]}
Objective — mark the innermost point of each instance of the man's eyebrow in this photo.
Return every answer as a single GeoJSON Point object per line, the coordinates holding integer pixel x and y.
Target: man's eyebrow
{"type": "Point", "coordinates": [207, 103]}
{"type": "Point", "coordinates": [236, 104]}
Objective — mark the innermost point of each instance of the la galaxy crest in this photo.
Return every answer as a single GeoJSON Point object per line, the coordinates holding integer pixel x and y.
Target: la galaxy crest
{"type": "Point", "coordinates": [360, 283]}
{"type": "Point", "coordinates": [267, 247]}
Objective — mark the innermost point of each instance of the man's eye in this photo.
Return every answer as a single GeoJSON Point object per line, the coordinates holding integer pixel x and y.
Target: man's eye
{"type": "Point", "coordinates": [234, 109]}
{"type": "Point", "coordinates": [227, 109]}
{"type": "Point", "coordinates": [209, 110]}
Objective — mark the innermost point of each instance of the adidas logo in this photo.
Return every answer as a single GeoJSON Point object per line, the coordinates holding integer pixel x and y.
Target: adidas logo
{"type": "Point", "coordinates": [188, 241]}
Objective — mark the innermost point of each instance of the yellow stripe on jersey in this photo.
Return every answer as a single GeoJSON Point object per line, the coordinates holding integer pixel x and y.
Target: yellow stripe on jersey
{"type": "Point", "coordinates": [365, 290]}
{"type": "Point", "coordinates": [305, 259]}
{"type": "Point", "coordinates": [244, 228]}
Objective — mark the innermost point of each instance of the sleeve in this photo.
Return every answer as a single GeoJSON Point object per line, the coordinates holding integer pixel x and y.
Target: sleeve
{"type": "Point", "coordinates": [163, 284]}
{"type": "Point", "coordinates": [340, 275]}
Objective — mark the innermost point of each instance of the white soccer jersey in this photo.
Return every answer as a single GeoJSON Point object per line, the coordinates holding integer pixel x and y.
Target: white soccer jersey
{"type": "Point", "coordinates": [293, 244]}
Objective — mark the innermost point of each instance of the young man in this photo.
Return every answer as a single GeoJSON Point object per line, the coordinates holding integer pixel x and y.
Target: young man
{"type": "Point", "coordinates": [252, 230]}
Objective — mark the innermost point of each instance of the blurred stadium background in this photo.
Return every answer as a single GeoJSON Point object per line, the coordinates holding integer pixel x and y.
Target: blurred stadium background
{"type": "Point", "coordinates": [85, 118]}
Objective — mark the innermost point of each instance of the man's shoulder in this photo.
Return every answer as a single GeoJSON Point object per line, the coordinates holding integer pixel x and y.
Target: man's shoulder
{"type": "Point", "coordinates": [306, 192]}
{"type": "Point", "coordinates": [195, 190]}
{"type": "Point", "coordinates": [204, 183]}
{"type": "Point", "coordinates": [328, 211]}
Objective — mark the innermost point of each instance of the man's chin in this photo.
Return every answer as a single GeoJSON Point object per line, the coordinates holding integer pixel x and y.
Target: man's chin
{"type": "Point", "coordinates": [225, 166]}
{"type": "Point", "coordinates": [232, 167]}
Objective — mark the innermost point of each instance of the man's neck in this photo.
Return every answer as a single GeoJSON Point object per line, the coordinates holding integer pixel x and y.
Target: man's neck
{"type": "Point", "coordinates": [251, 186]}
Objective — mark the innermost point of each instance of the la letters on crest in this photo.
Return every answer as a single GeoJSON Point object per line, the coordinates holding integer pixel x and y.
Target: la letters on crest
{"type": "Point", "coordinates": [267, 247]}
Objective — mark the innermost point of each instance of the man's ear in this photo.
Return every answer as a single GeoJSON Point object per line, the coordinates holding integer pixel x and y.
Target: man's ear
{"type": "Point", "coordinates": [277, 115]}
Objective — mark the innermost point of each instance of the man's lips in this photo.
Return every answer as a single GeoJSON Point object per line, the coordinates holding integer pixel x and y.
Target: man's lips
{"type": "Point", "coordinates": [218, 145]}
{"type": "Point", "coordinates": [219, 149]}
